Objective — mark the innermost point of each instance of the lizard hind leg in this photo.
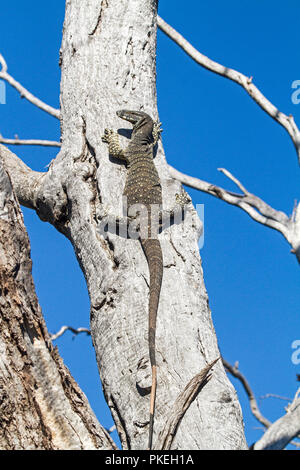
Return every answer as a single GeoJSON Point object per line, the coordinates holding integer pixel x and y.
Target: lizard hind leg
{"type": "Point", "coordinates": [111, 138]}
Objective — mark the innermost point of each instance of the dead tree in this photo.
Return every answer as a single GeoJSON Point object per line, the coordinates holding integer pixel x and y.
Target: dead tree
{"type": "Point", "coordinates": [107, 62]}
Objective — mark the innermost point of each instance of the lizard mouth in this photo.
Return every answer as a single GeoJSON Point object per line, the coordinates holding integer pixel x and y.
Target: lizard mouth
{"type": "Point", "coordinates": [125, 115]}
{"type": "Point", "coordinates": [131, 116]}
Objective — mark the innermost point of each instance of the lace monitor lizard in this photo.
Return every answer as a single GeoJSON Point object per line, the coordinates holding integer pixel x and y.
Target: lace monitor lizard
{"type": "Point", "coordinates": [143, 187]}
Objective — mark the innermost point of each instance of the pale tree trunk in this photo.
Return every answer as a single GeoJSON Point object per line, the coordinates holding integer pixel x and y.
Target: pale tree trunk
{"type": "Point", "coordinates": [41, 406]}
{"type": "Point", "coordinates": [108, 63]}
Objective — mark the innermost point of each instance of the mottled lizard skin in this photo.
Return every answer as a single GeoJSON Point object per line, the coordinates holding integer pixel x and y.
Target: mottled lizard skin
{"type": "Point", "coordinates": [143, 187]}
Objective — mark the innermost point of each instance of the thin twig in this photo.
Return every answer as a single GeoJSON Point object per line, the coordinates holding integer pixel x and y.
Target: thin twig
{"type": "Point", "coordinates": [233, 370]}
{"type": "Point", "coordinates": [254, 206]}
{"type": "Point", "coordinates": [4, 75]}
{"type": "Point", "coordinates": [111, 429]}
{"type": "Point", "coordinates": [273, 395]}
{"type": "Point", "coordinates": [76, 331]}
{"type": "Point", "coordinates": [252, 400]}
{"type": "Point", "coordinates": [264, 208]}
{"type": "Point", "coordinates": [245, 82]}
{"type": "Point", "coordinates": [257, 209]}
{"type": "Point", "coordinates": [17, 141]}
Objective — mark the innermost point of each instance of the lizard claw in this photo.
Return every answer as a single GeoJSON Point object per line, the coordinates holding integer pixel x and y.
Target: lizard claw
{"type": "Point", "coordinates": [183, 198]}
{"type": "Point", "coordinates": [107, 136]}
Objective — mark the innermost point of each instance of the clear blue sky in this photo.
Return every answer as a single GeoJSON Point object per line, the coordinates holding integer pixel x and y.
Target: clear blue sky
{"type": "Point", "coordinates": [209, 122]}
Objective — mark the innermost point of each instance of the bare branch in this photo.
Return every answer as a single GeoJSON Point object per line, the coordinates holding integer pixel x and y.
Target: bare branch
{"type": "Point", "coordinates": [281, 433]}
{"type": "Point", "coordinates": [252, 400]}
{"type": "Point", "coordinates": [17, 141]}
{"type": "Point", "coordinates": [111, 429]}
{"type": "Point", "coordinates": [43, 192]}
{"type": "Point", "coordinates": [235, 180]}
{"type": "Point", "coordinates": [25, 181]}
{"type": "Point", "coordinates": [255, 207]}
{"type": "Point", "coordinates": [274, 395]}
{"type": "Point", "coordinates": [247, 201]}
{"type": "Point", "coordinates": [266, 210]}
{"type": "Point", "coordinates": [4, 75]}
{"type": "Point", "coordinates": [245, 82]}
{"type": "Point", "coordinates": [76, 331]}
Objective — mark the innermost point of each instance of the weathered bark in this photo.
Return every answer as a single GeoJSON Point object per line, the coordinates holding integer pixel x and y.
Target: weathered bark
{"type": "Point", "coordinates": [281, 432]}
{"type": "Point", "coordinates": [108, 63]}
{"type": "Point", "coordinates": [41, 406]}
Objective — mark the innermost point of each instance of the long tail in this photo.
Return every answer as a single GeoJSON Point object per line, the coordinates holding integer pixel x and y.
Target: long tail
{"type": "Point", "coordinates": [154, 257]}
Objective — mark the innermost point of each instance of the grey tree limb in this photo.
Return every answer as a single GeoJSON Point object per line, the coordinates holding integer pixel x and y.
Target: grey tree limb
{"type": "Point", "coordinates": [26, 182]}
{"type": "Point", "coordinates": [254, 206]}
{"type": "Point", "coordinates": [4, 75]}
{"type": "Point", "coordinates": [274, 395]}
{"type": "Point", "coordinates": [65, 328]}
{"type": "Point", "coordinates": [40, 142]}
{"type": "Point", "coordinates": [282, 431]}
{"type": "Point", "coordinates": [252, 400]}
{"type": "Point", "coordinates": [287, 122]}
{"type": "Point", "coordinates": [234, 370]}
{"type": "Point", "coordinates": [41, 191]}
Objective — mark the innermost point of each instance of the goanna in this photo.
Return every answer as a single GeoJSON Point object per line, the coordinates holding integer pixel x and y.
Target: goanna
{"type": "Point", "coordinates": [143, 187]}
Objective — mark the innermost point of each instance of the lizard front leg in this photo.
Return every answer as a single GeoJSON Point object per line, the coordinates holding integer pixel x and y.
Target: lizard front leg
{"type": "Point", "coordinates": [157, 130]}
{"type": "Point", "coordinates": [176, 214]}
{"type": "Point", "coordinates": [111, 138]}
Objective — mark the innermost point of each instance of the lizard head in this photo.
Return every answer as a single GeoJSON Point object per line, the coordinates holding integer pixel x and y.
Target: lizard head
{"type": "Point", "coordinates": [142, 123]}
